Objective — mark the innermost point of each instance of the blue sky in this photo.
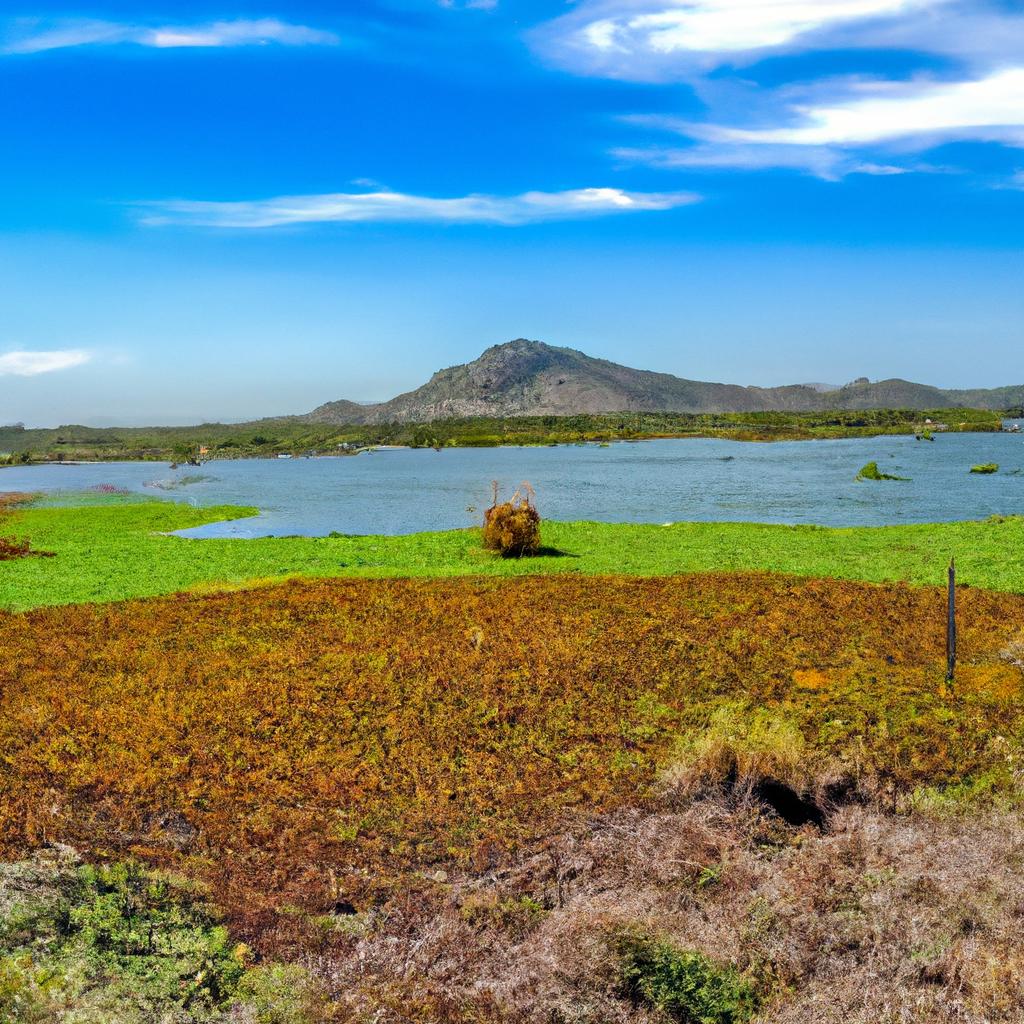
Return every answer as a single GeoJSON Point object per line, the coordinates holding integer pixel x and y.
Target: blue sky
{"type": "Point", "coordinates": [217, 211]}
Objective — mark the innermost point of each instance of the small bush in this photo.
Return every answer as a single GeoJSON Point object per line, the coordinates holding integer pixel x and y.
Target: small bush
{"type": "Point", "coordinates": [512, 528]}
{"type": "Point", "coordinates": [685, 985]}
{"type": "Point", "coordinates": [986, 467]}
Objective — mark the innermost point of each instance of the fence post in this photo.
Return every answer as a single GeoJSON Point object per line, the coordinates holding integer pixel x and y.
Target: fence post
{"type": "Point", "coordinates": [951, 623]}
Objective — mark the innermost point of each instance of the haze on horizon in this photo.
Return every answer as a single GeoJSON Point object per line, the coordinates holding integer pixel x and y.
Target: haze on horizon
{"type": "Point", "coordinates": [222, 212]}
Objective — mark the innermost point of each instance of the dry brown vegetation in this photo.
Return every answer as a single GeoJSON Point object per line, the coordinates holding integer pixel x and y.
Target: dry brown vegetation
{"type": "Point", "coordinates": [13, 547]}
{"type": "Point", "coordinates": [878, 920]}
{"type": "Point", "coordinates": [446, 796]}
{"type": "Point", "coordinates": [512, 528]}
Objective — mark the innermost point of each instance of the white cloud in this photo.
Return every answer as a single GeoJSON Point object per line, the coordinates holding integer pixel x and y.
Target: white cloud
{"type": "Point", "coordinates": [30, 364]}
{"type": "Point", "coordinates": [528, 208]}
{"type": "Point", "coordinates": [820, 161]}
{"type": "Point", "coordinates": [36, 37]}
{"type": "Point", "coordinates": [652, 39]}
{"type": "Point", "coordinates": [918, 114]}
{"type": "Point", "coordinates": [723, 26]}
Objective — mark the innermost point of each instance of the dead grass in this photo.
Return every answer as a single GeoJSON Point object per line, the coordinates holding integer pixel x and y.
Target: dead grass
{"type": "Point", "coordinates": [880, 919]}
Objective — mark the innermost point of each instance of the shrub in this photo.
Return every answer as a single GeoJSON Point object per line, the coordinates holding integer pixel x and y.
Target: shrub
{"type": "Point", "coordinates": [684, 984]}
{"type": "Point", "coordinates": [114, 936]}
{"type": "Point", "coordinates": [512, 528]}
{"type": "Point", "coordinates": [123, 945]}
{"type": "Point", "coordinates": [986, 467]}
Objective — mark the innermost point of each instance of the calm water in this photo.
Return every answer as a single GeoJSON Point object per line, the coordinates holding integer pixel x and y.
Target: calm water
{"type": "Point", "coordinates": [649, 482]}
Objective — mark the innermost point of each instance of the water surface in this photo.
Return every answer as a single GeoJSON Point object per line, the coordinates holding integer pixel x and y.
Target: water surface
{"type": "Point", "coordinates": [409, 490]}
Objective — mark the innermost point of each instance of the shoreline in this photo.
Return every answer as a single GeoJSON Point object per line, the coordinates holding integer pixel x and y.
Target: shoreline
{"type": "Point", "coordinates": [739, 436]}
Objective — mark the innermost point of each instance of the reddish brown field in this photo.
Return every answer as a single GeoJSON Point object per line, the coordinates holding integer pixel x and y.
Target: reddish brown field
{"type": "Point", "coordinates": [12, 547]}
{"type": "Point", "coordinates": [310, 743]}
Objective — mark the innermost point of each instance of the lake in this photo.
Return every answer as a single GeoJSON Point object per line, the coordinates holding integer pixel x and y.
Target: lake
{"type": "Point", "coordinates": [406, 490]}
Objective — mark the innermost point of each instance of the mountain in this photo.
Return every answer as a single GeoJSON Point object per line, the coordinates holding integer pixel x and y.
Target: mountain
{"type": "Point", "coordinates": [530, 378]}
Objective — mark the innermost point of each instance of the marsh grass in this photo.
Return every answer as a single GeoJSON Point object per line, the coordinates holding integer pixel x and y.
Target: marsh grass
{"type": "Point", "coordinates": [739, 747]}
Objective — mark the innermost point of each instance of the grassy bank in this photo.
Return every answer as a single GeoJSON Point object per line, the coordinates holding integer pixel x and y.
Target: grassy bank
{"type": "Point", "coordinates": [115, 551]}
{"type": "Point", "coordinates": [266, 438]}
{"type": "Point", "coordinates": [545, 799]}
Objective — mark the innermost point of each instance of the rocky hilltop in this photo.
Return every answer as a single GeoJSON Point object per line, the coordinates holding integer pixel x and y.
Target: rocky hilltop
{"type": "Point", "coordinates": [531, 378]}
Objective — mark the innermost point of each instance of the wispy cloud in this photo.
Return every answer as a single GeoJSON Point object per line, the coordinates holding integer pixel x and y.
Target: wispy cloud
{"type": "Point", "coordinates": [826, 128]}
{"type": "Point", "coordinates": [527, 208]}
{"type": "Point", "coordinates": [919, 112]}
{"type": "Point", "coordinates": [31, 364]}
{"type": "Point", "coordinates": [653, 39]}
{"type": "Point", "coordinates": [469, 5]}
{"type": "Point", "coordinates": [32, 36]}
{"type": "Point", "coordinates": [868, 128]}
{"type": "Point", "coordinates": [820, 161]}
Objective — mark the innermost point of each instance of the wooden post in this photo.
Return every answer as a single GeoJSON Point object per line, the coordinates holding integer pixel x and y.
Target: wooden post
{"type": "Point", "coordinates": [951, 623]}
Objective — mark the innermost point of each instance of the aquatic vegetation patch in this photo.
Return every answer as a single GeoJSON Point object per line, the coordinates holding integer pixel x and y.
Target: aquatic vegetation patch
{"type": "Point", "coordinates": [177, 483]}
{"type": "Point", "coordinates": [872, 472]}
{"type": "Point", "coordinates": [985, 468]}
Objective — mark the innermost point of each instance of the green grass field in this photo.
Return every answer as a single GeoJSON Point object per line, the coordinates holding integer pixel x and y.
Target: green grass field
{"type": "Point", "coordinates": [118, 550]}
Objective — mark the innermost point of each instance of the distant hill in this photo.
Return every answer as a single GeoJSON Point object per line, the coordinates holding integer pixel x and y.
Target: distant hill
{"type": "Point", "coordinates": [530, 378]}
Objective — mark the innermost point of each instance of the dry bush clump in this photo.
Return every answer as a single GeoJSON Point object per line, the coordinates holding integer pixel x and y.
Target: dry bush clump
{"type": "Point", "coordinates": [512, 528]}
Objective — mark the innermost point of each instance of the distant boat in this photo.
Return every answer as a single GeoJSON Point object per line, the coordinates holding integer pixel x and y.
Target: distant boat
{"type": "Point", "coordinates": [283, 456]}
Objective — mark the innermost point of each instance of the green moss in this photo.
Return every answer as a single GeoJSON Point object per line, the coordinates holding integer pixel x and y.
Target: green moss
{"type": "Point", "coordinates": [116, 551]}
